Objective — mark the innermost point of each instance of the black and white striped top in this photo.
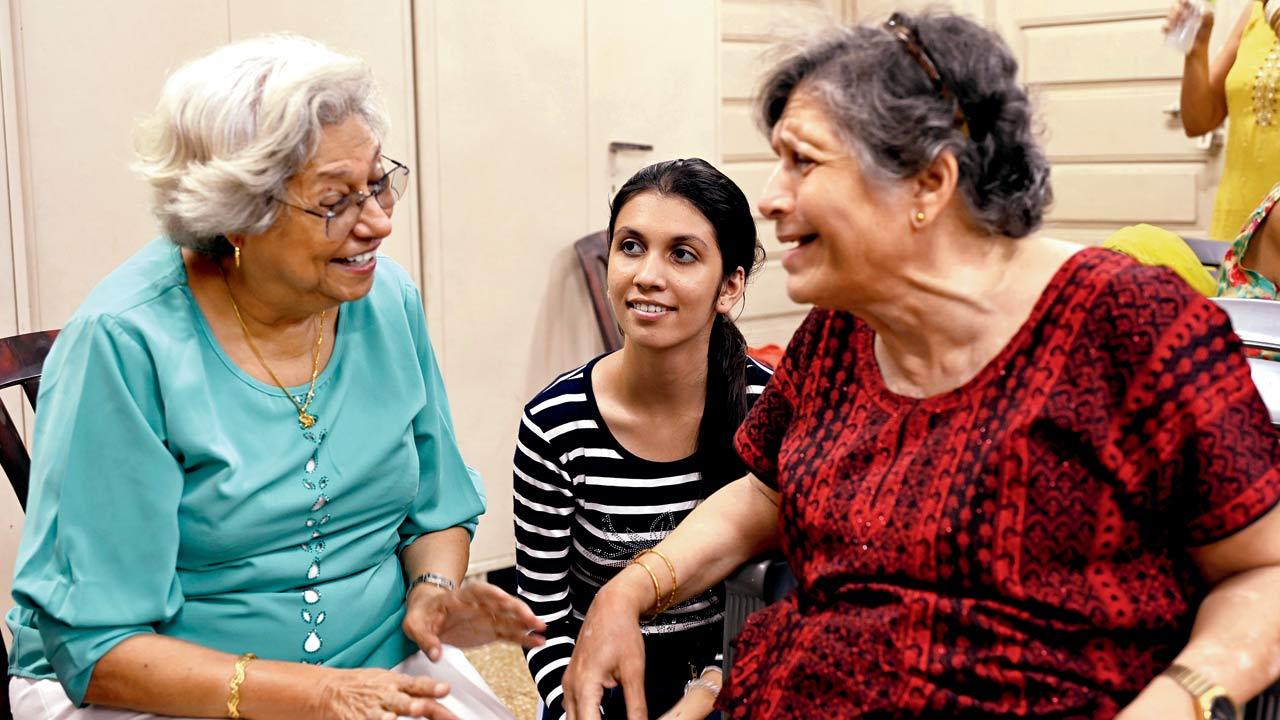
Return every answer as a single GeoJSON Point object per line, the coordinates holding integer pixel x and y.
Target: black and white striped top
{"type": "Point", "coordinates": [584, 506]}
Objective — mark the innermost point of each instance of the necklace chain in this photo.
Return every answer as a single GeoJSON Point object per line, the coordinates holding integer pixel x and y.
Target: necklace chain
{"type": "Point", "coordinates": [305, 419]}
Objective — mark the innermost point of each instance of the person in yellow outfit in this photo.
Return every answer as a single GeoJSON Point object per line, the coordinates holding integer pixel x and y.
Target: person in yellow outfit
{"type": "Point", "coordinates": [1243, 83]}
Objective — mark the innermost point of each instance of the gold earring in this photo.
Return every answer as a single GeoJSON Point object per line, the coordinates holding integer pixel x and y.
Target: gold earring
{"type": "Point", "coordinates": [920, 216]}
{"type": "Point", "coordinates": [237, 257]}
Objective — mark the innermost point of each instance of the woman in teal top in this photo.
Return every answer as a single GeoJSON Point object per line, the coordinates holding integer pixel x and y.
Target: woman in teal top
{"type": "Point", "coordinates": [244, 449]}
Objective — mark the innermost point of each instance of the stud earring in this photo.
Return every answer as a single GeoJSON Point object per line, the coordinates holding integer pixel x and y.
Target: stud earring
{"type": "Point", "coordinates": [237, 257]}
{"type": "Point", "coordinates": [920, 216]}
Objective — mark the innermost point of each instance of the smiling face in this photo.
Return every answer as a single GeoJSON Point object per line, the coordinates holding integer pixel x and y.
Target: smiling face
{"type": "Point", "coordinates": [295, 255]}
{"type": "Point", "coordinates": [666, 279]}
{"type": "Point", "coordinates": [847, 229]}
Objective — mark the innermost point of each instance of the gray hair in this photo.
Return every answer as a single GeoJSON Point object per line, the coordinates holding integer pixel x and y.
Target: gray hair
{"type": "Point", "coordinates": [897, 123]}
{"type": "Point", "coordinates": [233, 126]}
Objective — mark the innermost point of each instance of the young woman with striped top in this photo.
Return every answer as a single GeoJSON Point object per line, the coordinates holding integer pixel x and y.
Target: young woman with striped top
{"type": "Point", "coordinates": [612, 455]}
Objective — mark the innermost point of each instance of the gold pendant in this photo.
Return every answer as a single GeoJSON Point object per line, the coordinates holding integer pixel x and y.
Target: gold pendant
{"type": "Point", "coordinates": [306, 420]}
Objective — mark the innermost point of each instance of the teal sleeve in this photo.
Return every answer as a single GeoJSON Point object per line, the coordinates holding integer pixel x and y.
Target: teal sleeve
{"type": "Point", "coordinates": [450, 493]}
{"type": "Point", "coordinates": [97, 562]}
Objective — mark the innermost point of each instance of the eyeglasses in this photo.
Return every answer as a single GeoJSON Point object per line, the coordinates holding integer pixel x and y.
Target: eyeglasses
{"type": "Point", "coordinates": [910, 39]}
{"type": "Point", "coordinates": [341, 216]}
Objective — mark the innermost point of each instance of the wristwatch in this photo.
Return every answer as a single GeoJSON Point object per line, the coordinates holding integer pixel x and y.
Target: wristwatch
{"type": "Point", "coordinates": [1212, 701]}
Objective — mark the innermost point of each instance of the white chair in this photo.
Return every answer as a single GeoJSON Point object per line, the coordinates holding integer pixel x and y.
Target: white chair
{"type": "Point", "coordinates": [1257, 322]}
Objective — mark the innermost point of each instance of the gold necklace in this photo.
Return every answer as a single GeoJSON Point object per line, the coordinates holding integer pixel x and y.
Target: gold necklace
{"type": "Point", "coordinates": [305, 419]}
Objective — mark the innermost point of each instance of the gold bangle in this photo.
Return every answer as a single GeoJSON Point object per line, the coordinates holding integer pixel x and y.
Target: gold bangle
{"type": "Point", "coordinates": [671, 600]}
{"type": "Point", "coordinates": [657, 591]}
{"type": "Point", "coordinates": [233, 698]}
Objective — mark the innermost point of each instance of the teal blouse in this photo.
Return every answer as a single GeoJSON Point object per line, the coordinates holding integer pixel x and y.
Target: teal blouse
{"type": "Point", "coordinates": [172, 493]}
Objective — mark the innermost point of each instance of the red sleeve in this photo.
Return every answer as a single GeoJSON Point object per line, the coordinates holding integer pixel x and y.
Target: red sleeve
{"type": "Point", "coordinates": [759, 438]}
{"type": "Point", "coordinates": [1194, 407]}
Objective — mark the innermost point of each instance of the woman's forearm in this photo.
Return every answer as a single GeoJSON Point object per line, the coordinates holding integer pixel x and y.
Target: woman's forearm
{"type": "Point", "coordinates": [732, 526]}
{"type": "Point", "coordinates": [165, 676]}
{"type": "Point", "coordinates": [443, 552]}
{"type": "Point", "coordinates": [1203, 107]}
{"type": "Point", "coordinates": [1204, 83]}
{"type": "Point", "coordinates": [1236, 637]}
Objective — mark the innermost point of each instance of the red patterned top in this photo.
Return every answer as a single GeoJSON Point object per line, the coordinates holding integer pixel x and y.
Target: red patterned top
{"type": "Point", "coordinates": [1015, 547]}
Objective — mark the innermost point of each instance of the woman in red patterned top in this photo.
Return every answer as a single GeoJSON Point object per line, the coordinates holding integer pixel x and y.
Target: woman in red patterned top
{"type": "Point", "coordinates": [1013, 477]}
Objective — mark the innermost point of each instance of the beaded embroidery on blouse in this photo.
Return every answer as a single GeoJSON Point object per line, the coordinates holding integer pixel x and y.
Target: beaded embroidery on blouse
{"type": "Point", "coordinates": [312, 615]}
{"type": "Point", "coordinates": [1265, 84]}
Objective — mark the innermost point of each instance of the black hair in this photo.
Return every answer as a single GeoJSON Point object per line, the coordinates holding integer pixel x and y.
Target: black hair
{"type": "Point", "coordinates": [724, 205]}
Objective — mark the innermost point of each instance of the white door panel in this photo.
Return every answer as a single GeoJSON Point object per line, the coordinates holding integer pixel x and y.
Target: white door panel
{"type": "Point", "coordinates": [1123, 50]}
{"type": "Point", "coordinates": [1081, 126]}
{"type": "Point", "coordinates": [1103, 80]}
{"type": "Point", "coordinates": [751, 33]}
{"type": "Point", "coordinates": [81, 93]}
{"type": "Point", "coordinates": [740, 136]}
{"type": "Point", "coordinates": [1123, 193]}
{"type": "Point", "coordinates": [651, 80]}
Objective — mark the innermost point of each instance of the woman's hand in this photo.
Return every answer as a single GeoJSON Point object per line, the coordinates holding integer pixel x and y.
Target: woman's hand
{"type": "Point", "coordinates": [475, 614]}
{"type": "Point", "coordinates": [379, 695]}
{"type": "Point", "coordinates": [1163, 699]}
{"type": "Point", "coordinates": [698, 702]}
{"type": "Point", "coordinates": [1179, 11]}
{"type": "Point", "coordinates": [609, 652]}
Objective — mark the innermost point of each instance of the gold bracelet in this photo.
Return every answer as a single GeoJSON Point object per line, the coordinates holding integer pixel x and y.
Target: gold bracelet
{"type": "Point", "coordinates": [233, 698]}
{"type": "Point", "coordinates": [657, 591]}
{"type": "Point", "coordinates": [670, 568]}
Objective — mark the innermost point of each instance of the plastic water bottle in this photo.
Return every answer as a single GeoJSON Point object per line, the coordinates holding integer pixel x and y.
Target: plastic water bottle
{"type": "Point", "coordinates": [1183, 35]}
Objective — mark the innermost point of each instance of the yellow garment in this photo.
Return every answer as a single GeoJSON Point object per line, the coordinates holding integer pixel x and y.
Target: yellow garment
{"type": "Point", "coordinates": [1253, 152]}
{"type": "Point", "coordinates": [1151, 245]}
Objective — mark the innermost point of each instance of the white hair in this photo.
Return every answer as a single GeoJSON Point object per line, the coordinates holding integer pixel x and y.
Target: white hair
{"type": "Point", "coordinates": [233, 126]}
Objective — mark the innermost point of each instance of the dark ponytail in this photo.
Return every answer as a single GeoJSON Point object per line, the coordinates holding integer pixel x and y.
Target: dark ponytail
{"type": "Point", "coordinates": [726, 404]}
{"type": "Point", "coordinates": [725, 206]}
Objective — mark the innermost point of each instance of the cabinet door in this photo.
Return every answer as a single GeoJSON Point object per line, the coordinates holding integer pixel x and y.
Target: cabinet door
{"type": "Point", "coordinates": [1105, 83]}
{"type": "Point", "coordinates": [750, 32]}
{"type": "Point", "coordinates": [502, 97]}
{"type": "Point", "coordinates": [84, 80]}
{"type": "Point", "coordinates": [651, 81]}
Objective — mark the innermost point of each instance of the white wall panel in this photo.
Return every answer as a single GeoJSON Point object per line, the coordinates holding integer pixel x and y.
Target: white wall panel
{"type": "Point", "coordinates": [740, 138]}
{"type": "Point", "coordinates": [1124, 193]}
{"type": "Point", "coordinates": [82, 93]}
{"type": "Point", "coordinates": [742, 68]}
{"type": "Point", "coordinates": [1080, 123]}
{"type": "Point", "coordinates": [510, 101]}
{"type": "Point", "coordinates": [1126, 51]}
{"type": "Point", "coordinates": [651, 79]}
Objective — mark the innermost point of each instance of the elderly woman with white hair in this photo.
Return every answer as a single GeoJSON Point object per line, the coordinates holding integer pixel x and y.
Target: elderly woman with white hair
{"type": "Point", "coordinates": [247, 499]}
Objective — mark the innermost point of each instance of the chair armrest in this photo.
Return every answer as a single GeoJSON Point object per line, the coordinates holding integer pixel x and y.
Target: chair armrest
{"type": "Point", "coordinates": [757, 583]}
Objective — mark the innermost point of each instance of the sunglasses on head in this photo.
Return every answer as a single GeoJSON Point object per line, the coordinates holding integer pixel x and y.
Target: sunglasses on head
{"type": "Point", "coordinates": [910, 39]}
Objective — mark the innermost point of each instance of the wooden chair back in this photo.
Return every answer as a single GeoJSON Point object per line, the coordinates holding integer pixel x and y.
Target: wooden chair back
{"type": "Point", "coordinates": [593, 258]}
{"type": "Point", "coordinates": [21, 360]}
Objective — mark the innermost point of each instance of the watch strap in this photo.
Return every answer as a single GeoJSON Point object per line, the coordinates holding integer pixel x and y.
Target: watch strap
{"type": "Point", "coordinates": [1201, 688]}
